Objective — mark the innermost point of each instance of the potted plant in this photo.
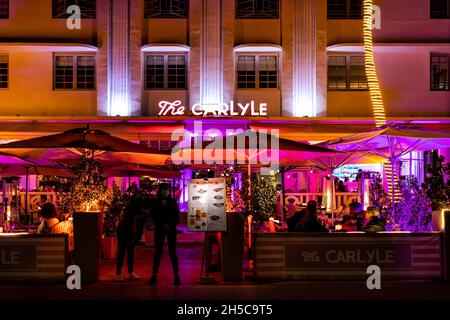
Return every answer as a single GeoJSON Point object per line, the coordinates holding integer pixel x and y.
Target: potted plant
{"type": "Point", "coordinates": [438, 191]}
{"type": "Point", "coordinates": [86, 199]}
{"type": "Point", "coordinates": [115, 204]}
{"type": "Point", "coordinates": [263, 200]}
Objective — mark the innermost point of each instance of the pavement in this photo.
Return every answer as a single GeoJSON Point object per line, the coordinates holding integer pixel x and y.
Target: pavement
{"type": "Point", "coordinates": [190, 262]}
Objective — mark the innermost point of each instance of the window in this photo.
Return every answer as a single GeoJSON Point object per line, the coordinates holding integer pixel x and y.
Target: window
{"type": "Point", "coordinates": [74, 72]}
{"type": "Point", "coordinates": [246, 72]}
{"type": "Point", "coordinates": [439, 72]}
{"type": "Point", "coordinates": [86, 72]}
{"type": "Point", "coordinates": [440, 9]}
{"type": "Point", "coordinates": [346, 73]}
{"type": "Point", "coordinates": [344, 9]}
{"type": "Point", "coordinates": [357, 74]}
{"type": "Point", "coordinates": [165, 71]}
{"type": "Point", "coordinates": [259, 9]}
{"type": "Point", "coordinates": [4, 72]}
{"type": "Point", "coordinates": [257, 71]}
{"type": "Point", "coordinates": [87, 8]}
{"type": "Point", "coordinates": [165, 8]}
{"type": "Point", "coordinates": [4, 9]}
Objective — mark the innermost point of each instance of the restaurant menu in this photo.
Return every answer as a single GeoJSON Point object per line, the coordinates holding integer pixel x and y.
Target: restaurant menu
{"type": "Point", "coordinates": [207, 205]}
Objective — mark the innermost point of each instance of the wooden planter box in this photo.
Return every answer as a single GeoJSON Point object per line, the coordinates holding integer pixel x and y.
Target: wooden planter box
{"type": "Point", "coordinates": [87, 230]}
{"type": "Point", "coordinates": [109, 247]}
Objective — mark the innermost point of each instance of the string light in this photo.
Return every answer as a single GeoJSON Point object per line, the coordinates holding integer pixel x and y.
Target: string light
{"type": "Point", "coordinates": [376, 97]}
{"type": "Point", "coordinates": [371, 71]}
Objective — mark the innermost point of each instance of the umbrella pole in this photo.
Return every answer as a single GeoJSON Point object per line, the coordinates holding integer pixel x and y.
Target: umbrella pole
{"type": "Point", "coordinates": [283, 194]}
{"type": "Point", "coordinates": [333, 195]}
{"type": "Point", "coordinates": [393, 186]}
{"type": "Point", "coordinates": [249, 172]}
{"type": "Point", "coordinates": [27, 168]}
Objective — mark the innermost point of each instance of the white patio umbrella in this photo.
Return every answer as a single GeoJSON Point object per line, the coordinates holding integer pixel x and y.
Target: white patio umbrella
{"type": "Point", "coordinates": [392, 142]}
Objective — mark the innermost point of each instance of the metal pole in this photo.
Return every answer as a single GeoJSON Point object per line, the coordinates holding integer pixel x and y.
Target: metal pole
{"type": "Point", "coordinates": [283, 193]}
{"type": "Point", "coordinates": [393, 185]}
{"type": "Point", "coordinates": [27, 168]}
{"type": "Point", "coordinates": [249, 172]}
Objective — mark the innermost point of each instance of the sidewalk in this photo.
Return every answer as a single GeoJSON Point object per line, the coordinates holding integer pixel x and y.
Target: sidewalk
{"type": "Point", "coordinates": [190, 260]}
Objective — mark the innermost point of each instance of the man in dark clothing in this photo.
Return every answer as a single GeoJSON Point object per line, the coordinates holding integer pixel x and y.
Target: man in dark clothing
{"type": "Point", "coordinates": [129, 231]}
{"type": "Point", "coordinates": [293, 220]}
{"type": "Point", "coordinates": [165, 215]}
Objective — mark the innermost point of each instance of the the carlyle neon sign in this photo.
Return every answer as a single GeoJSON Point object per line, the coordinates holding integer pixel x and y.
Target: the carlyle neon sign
{"type": "Point", "coordinates": [214, 110]}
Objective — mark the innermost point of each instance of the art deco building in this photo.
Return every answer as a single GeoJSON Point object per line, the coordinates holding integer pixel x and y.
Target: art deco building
{"type": "Point", "coordinates": [303, 58]}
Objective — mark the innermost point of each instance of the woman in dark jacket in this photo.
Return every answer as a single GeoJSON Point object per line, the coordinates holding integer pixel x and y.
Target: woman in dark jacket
{"type": "Point", "coordinates": [165, 215]}
{"type": "Point", "coordinates": [129, 231]}
{"type": "Point", "coordinates": [309, 222]}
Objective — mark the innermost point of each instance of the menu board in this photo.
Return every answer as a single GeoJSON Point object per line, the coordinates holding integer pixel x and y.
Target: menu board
{"type": "Point", "coordinates": [207, 205]}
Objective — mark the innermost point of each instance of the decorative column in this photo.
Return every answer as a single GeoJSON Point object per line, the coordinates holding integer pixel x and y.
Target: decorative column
{"type": "Point", "coordinates": [304, 59]}
{"type": "Point", "coordinates": [211, 80]}
{"type": "Point", "coordinates": [195, 54]}
{"type": "Point", "coordinates": [229, 74]}
{"type": "Point", "coordinates": [304, 41]}
{"type": "Point", "coordinates": [136, 78]}
{"type": "Point", "coordinates": [119, 62]}
{"type": "Point", "coordinates": [103, 27]}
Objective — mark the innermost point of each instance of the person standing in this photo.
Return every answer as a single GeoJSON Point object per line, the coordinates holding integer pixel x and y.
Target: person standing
{"type": "Point", "coordinates": [165, 216]}
{"type": "Point", "coordinates": [129, 231]}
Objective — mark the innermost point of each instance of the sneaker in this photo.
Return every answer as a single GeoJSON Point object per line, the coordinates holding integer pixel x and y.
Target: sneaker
{"type": "Point", "coordinates": [118, 278]}
{"type": "Point", "coordinates": [133, 276]}
{"type": "Point", "coordinates": [177, 281]}
{"type": "Point", "coordinates": [152, 281]}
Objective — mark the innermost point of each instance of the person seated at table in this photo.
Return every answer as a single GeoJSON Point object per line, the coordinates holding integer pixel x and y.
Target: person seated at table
{"type": "Point", "coordinates": [291, 208]}
{"type": "Point", "coordinates": [373, 222]}
{"type": "Point", "coordinates": [293, 219]}
{"type": "Point", "coordinates": [354, 220]}
{"type": "Point", "coordinates": [49, 218]}
{"type": "Point", "coordinates": [341, 211]}
{"type": "Point", "coordinates": [309, 222]}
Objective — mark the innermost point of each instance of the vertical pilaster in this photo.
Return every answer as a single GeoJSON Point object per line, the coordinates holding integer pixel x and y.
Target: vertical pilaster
{"type": "Point", "coordinates": [103, 22]}
{"type": "Point", "coordinates": [136, 81]}
{"type": "Point", "coordinates": [287, 25]}
{"type": "Point", "coordinates": [195, 20]}
{"type": "Point", "coordinates": [120, 85]}
{"type": "Point", "coordinates": [229, 74]}
{"type": "Point", "coordinates": [304, 36]}
{"type": "Point", "coordinates": [321, 58]}
{"type": "Point", "coordinates": [211, 52]}
{"type": "Point", "coordinates": [304, 58]}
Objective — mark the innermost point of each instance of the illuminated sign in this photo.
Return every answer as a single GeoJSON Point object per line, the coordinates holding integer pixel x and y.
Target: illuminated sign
{"type": "Point", "coordinates": [230, 109]}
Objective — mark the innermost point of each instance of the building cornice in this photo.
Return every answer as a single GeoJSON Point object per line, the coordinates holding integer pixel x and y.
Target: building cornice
{"type": "Point", "coordinates": [390, 47]}
{"type": "Point", "coordinates": [47, 47]}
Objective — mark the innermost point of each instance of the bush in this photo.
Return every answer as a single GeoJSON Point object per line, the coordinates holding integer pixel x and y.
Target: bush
{"type": "Point", "coordinates": [413, 212]}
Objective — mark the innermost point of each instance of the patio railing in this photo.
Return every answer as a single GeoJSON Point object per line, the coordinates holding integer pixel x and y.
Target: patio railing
{"type": "Point", "coordinates": [341, 197]}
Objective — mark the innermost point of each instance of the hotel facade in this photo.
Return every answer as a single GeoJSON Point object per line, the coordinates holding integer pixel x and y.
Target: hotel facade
{"type": "Point", "coordinates": [303, 60]}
